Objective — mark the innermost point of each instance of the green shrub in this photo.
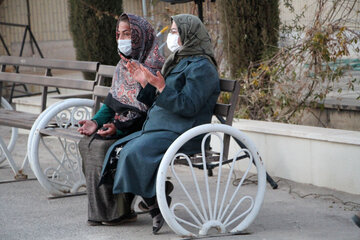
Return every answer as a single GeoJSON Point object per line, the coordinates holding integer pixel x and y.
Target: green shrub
{"type": "Point", "coordinates": [92, 25]}
{"type": "Point", "coordinates": [250, 31]}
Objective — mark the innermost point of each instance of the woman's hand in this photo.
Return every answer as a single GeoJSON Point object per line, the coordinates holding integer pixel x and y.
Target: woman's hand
{"type": "Point", "coordinates": [136, 72]}
{"type": "Point", "coordinates": [157, 81]}
{"type": "Point", "coordinates": [108, 129]}
{"type": "Point", "coordinates": [88, 127]}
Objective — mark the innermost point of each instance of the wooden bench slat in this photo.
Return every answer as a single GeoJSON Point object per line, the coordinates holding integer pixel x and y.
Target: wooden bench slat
{"type": "Point", "coordinates": [197, 160]}
{"type": "Point", "coordinates": [85, 66]}
{"type": "Point", "coordinates": [71, 133]}
{"type": "Point", "coordinates": [106, 70]}
{"type": "Point", "coordinates": [101, 91]}
{"type": "Point", "coordinates": [17, 119]}
{"type": "Point", "coordinates": [47, 81]}
{"type": "Point", "coordinates": [222, 109]}
{"type": "Point", "coordinates": [227, 85]}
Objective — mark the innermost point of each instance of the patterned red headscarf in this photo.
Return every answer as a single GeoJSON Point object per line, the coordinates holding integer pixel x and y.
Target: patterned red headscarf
{"type": "Point", "coordinates": [145, 50]}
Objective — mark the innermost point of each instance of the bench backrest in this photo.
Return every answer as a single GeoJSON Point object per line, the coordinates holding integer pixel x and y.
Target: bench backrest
{"type": "Point", "coordinates": [46, 63]}
{"type": "Point", "coordinates": [100, 91]}
{"type": "Point", "coordinates": [47, 80]}
{"type": "Point", "coordinates": [225, 112]}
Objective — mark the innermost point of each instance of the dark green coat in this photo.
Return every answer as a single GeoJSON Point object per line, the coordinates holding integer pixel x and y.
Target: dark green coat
{"type": "Point", "coordinates": [188, 100]}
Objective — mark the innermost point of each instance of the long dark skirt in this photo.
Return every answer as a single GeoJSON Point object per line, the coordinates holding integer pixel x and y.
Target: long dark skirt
{"type": "Point", "coordinates": [139, 160]}
{"type": "Point", "coordinates": [103, 205]}
{"type": "Point", "coordinates": [138, 163]}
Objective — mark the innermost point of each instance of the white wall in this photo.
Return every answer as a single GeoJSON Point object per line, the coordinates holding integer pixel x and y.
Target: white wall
{"type": "Point", "coordinates": [319, 156]}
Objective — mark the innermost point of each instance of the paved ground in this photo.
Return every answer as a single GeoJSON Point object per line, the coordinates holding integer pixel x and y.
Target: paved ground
{"type": "Point", "coordinates": [294, 211]}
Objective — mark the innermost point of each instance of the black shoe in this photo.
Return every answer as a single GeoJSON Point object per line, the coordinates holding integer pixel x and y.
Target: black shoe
{"type": "Point", "coordinates": [129, 217]}
{"type": "Point", "coordinates": [169, 187]}
{"type": "Point", "coordinates": [356, 219]}
{"type": "Point", "coordinates": [168, 200]}
{"type": "Point", "coordinates": [93, 223]}
{"type": "Point", "coordinates": [158, 220]}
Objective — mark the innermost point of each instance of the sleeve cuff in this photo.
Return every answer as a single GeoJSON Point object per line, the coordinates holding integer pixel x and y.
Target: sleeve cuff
{"type": "Point", "coordinates": [162, 99]}
{"type": "Point", "coordinates": [147, 94]}
{"type": "Point", "coordinates": [93, 120]}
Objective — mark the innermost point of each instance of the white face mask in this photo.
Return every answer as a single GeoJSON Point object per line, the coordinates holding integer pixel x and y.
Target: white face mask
{"type": "Point", "coordinates": [172, 42]}
{"type": "Point", "coordinates": [124, 46]}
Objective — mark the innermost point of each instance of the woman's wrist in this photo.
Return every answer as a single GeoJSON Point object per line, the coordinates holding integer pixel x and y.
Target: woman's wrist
{"type": "Point", "coordinates": [143, 84]}
{"type": "Point", "coordinates": [160, 89]}
{"type": "Point", "coordinates": [97, 125]}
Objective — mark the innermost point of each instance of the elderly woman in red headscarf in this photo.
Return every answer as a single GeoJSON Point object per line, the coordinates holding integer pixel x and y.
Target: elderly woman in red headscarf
{"type": "Point", "coordinates": [121, 114]}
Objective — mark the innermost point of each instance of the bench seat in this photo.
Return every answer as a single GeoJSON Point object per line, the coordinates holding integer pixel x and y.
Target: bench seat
{"type": "Point", "coordinates": [26, 120]}
{"type": "Point", "coordinates": [17, 119]}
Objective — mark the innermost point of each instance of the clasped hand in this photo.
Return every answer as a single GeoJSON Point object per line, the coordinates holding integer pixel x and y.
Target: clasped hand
{"type": "Point", "coordinates": [88, 127]}
{"type": "Point", "coordinates": [143, 76]}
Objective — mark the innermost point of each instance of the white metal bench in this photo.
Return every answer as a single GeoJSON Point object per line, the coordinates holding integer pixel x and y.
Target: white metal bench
{"type": "Point", "coordinates": [25, 120]}
{"type": "Point", "coordinates": [218, 205]}
{"type": "Point", "coordinates": [53, 139]}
